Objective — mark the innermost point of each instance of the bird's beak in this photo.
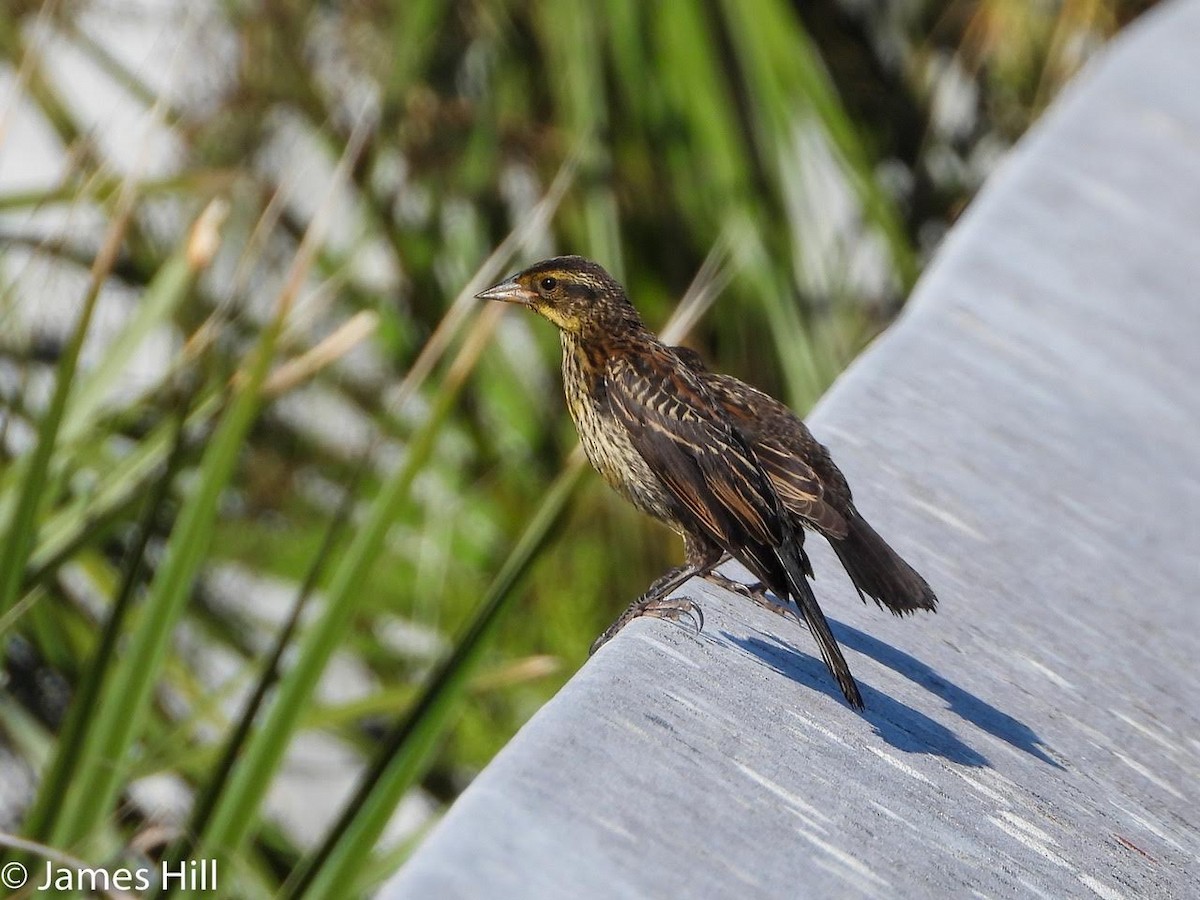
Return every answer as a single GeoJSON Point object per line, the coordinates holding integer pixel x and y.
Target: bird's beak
{"type": "Point", "coordinates": [510, 291]}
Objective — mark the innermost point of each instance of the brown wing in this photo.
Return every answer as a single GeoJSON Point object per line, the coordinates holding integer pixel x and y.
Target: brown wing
{"type": "Point", "coordinates": [785, 450]}
{"type": "Point", "coordinates": [798, 486]}
{"type": "Point", "coordinates": [684, 438]}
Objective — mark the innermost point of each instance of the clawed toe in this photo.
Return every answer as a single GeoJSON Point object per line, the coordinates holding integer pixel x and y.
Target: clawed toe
{"type": "Point", "coordinates": [756, 592]}
{"type": "Point", "coordinates": [767, 602]}
{"type": "Point", "coordinates": [672, 608]}
{"type": "Point", "coordinates": [749, 591]}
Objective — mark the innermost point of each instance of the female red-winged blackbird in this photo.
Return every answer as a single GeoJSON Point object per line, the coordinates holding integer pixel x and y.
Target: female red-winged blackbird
{"type": "Point", "coordinates": [654, 431]}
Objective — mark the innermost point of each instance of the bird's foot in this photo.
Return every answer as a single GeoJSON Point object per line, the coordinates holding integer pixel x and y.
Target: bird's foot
{"type": "Point", "coordinates": [756, 592]}
{"type": "Point", "coordinates": [672, 608]}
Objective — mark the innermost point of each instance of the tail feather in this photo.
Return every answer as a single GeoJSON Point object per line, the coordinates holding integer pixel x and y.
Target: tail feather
{"type": "Point", "coordinates": [878, 571]}
{"type": "Point", "coordinates": [831, 653]}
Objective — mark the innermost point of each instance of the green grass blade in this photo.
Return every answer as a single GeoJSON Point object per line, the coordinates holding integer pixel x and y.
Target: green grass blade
{"type": "Point", "coordinates": [414, 36]}
{"type": "Point", "coordinates": [347, 848]}
{"type": "Point", "coordinates": [171, 285]}
{"type": "Point", "coordinates": [214, 788]}
{"type": "Point", "coordinates": [568, 36]}
{"type": "Point", "coordinates": [71, 525]}
{"type": "Point", "coordinates": [126, 703]}
{"type": "Point", "coordinates": [235, 815]}
{"type": "Point", "coordinates": [787, 80]}
{"type": "Point", "coordinates": [700, 121]}
{"type": "Point", "coordinates": [55, 781]}
{"type": "Point", "coordinates": [102, 188]}
{"type": "Point", "coordinates": [792, 339]}
{"type": "Point", "coordinates": [19, 537]}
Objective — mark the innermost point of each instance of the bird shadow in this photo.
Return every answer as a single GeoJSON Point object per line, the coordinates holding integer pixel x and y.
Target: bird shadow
{"type": "Point", "coordinates": [899, 725]}
{"type": "Point", "coordinates": [963, 703]}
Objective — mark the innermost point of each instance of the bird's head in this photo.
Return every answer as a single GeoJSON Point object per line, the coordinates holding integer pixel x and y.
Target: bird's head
{"type": "Point", "coordinates": [574, 293]}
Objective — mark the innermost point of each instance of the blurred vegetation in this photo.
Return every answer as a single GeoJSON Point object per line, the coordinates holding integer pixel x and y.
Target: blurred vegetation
{"type": "Point", "coordinates": [269, 475]}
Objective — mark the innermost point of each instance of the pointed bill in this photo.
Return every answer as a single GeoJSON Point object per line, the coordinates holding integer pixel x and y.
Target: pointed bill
{"type": "Point", "coordinates": [509, 291]}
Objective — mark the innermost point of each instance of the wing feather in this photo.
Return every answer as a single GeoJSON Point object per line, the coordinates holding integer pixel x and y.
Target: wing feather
{"type": "Point", "coordinates": [784, 448]}
{"type": "Point", "coordinates": [798, 487]}
{"type": "Point", "coordinates": [690, 445]}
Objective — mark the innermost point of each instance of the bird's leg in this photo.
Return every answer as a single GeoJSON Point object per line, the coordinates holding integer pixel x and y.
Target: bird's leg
{"type": "Point", "coordinates": [756, 592]}
{"type": "Point", "coordinates": [658, 602]}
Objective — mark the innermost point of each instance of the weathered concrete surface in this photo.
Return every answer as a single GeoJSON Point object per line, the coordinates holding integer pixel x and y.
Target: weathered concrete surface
{"type": "Point", "coordinates": [1029, 436]}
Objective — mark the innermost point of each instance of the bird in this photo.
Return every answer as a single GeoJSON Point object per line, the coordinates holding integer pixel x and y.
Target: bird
{"type": "Point", "coordinates": [814, 492]}
{"type": "Point", "coordinates": [653, 430]}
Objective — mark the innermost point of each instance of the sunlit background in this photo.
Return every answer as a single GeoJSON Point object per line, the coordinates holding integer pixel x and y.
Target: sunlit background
{"type": "Point", "coordinates": [243, 381]}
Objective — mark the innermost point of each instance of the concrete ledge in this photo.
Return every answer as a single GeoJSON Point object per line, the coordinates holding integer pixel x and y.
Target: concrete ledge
{"type": "Point", "coordinates": [1029, 436]}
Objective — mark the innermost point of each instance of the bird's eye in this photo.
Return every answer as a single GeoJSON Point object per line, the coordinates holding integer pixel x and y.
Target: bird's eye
{"type": "Point", "coordinates": [549, 284]}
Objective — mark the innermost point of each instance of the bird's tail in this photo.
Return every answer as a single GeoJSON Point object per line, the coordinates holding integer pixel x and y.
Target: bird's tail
{"type": "Point", "coordinates": [878, 571]}
{"type": "Point", "coordinates": [802, 593]}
